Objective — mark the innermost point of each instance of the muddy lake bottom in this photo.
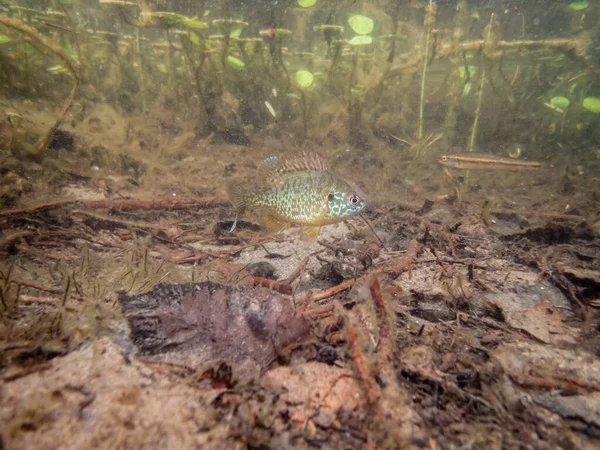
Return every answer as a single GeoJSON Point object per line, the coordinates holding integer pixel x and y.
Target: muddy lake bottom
{"type": "Point", "coordinates": [132, 317]}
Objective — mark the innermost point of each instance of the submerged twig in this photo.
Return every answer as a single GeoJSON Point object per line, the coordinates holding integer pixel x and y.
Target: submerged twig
{"type": "Point", "coordinates": [126, 205]}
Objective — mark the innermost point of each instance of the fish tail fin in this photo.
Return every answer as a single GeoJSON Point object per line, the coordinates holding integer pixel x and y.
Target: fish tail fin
{"type": "Point", "coordinates": [238, 196]}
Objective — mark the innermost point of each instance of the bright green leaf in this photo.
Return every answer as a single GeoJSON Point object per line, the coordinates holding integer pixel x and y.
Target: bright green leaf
{"type": "Point", "coordinates": [235, 33]}
{"type": "Point", "coordinates": [304, 78]}
{"type": "Point", "coordinates": [361, 40]}
{"type": "Point", "coordinates": [361, 24]}
{"type": "Point", "coordinates": [281, 32]}
{"type": "Point", "coordinates": [237, 64]}
{"type": "Point", "coordinates": [194, 24]}
{"type": "Point", "coordinates": [57, 69]}
{"type": "Point", "coordinates": [592, 104]}
{"type": "Point", "coordinates": [194, 38]}
{"type": "Point", "coordinates": [561, 103]}
{"type": "Point", "coordinates": [4, 39]}
{"type": "Point", "coordinates": [306, 3]}
{"type": "Point", "coordinates": [578, 6]}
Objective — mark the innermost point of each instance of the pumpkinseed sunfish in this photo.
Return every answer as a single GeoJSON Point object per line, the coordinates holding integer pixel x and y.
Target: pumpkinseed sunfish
{"type": "Point", "coordinates": [298, 190]}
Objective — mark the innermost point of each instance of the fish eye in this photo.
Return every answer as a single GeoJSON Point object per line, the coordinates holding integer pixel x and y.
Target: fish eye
{"type": "Point", "coordinates": [330, 197]}
{"type": "Point", "coordinates": [444, 158]}
{"type": "Point", "coordinates": [354, 200]}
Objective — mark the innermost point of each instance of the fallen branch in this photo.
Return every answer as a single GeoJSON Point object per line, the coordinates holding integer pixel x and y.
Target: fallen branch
{"type": "Point", "coordinates": [126, 205]}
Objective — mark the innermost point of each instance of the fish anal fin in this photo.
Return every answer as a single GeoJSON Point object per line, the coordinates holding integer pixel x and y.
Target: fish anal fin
{"type": "Point", "coordinates": [272, 222]}
{"type": "Point", "coordinates": [310, 233]}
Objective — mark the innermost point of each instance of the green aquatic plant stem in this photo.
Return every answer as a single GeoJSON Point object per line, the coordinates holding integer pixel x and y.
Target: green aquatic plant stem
{"type": "Point", "coordinates": [488, 37]}
{"type": "Point", "coordinates": [140, 61]}
{"type": "Point", "coordinates": [477, 110]}
{"type": "Point", "coordinates": [35, 36]}
{"type": "Point", "coordinates": [471, 148]}
{"type": "Point", "coordinates": [456, 83]}
{"type": "Point", "coordinates": [71, 65]}
{"type": "Point", "coordinates": [429, 19]}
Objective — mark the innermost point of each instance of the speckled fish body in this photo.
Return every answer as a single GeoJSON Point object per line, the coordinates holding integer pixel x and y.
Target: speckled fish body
{"type": "Point", "coordinates": [301, 191]}
{"type": "Point", "coordinates": [309, 198]}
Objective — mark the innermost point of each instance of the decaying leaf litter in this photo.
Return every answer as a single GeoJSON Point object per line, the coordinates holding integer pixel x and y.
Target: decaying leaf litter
{"type": "Point", "coordinates": [465, 329]}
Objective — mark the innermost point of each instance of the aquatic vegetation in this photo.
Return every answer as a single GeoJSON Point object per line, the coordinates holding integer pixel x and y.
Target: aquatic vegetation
{"type": "Point", "coordinates": [304, 78]}
{"type": "Point", "coordinates": [173, 104]}
{"type": "Point", "coordinates": [578, 6]}
{"type": "Point", "coordinates": [235, 62]}
{"type": "Point", "coordinates": [592, 104]}
{"type": "Point", "coordinates": [559, 104]}
{"type": "Point", "coordinates": [307, 3]}
{"type": "Point", "coordinates": [231, 67]}
{"type": "Point", "coordinates": [360, 40]}
{"type": "Point", "coordinates": [361, 24]}
{"type": "Point", "coordinates": [430, 14]}
{"type": "Point", "coordinates": [57, 69]}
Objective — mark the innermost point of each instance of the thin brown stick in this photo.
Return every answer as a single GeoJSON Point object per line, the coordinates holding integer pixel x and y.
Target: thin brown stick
{"type": "Point", "coordinates": [318, 312]}
{"type": "Point", "coordinates": [297, 271]}
{"type": "Point", "coordinates": [385, 343]}
{"type": "Point", "coordinates": [45, 289]}
{"type": "Point", "coordinates": [126, 205]}
{"type": "Point", "coordinates": [124, 223]}
{"type": "Point", "coordinates": [567, 384]}
{"type": "Point", "coordinates": [343, 286]}
{"type": "Point", "coordinates": [361, 366]}
{"type": "Point", "coordinates": [394, 268]}
{"type": "Point", "coordinates": [272, 284]}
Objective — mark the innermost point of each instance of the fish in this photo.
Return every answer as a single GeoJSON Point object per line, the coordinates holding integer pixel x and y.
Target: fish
{"type": "Point", "coordinates": [482, 161]}
{"type": "Point", "coordinates": [298, 190]}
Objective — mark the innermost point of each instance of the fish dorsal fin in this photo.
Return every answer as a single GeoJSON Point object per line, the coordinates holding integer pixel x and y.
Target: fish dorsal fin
{"type": "Point", "coordinates": [273, 169]}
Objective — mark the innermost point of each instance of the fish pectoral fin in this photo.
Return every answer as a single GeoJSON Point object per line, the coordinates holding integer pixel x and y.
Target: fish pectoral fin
{"type": "Point", "coordinates": [273, 223]}
{"type": "Point", "coordinates": [310, 233]}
